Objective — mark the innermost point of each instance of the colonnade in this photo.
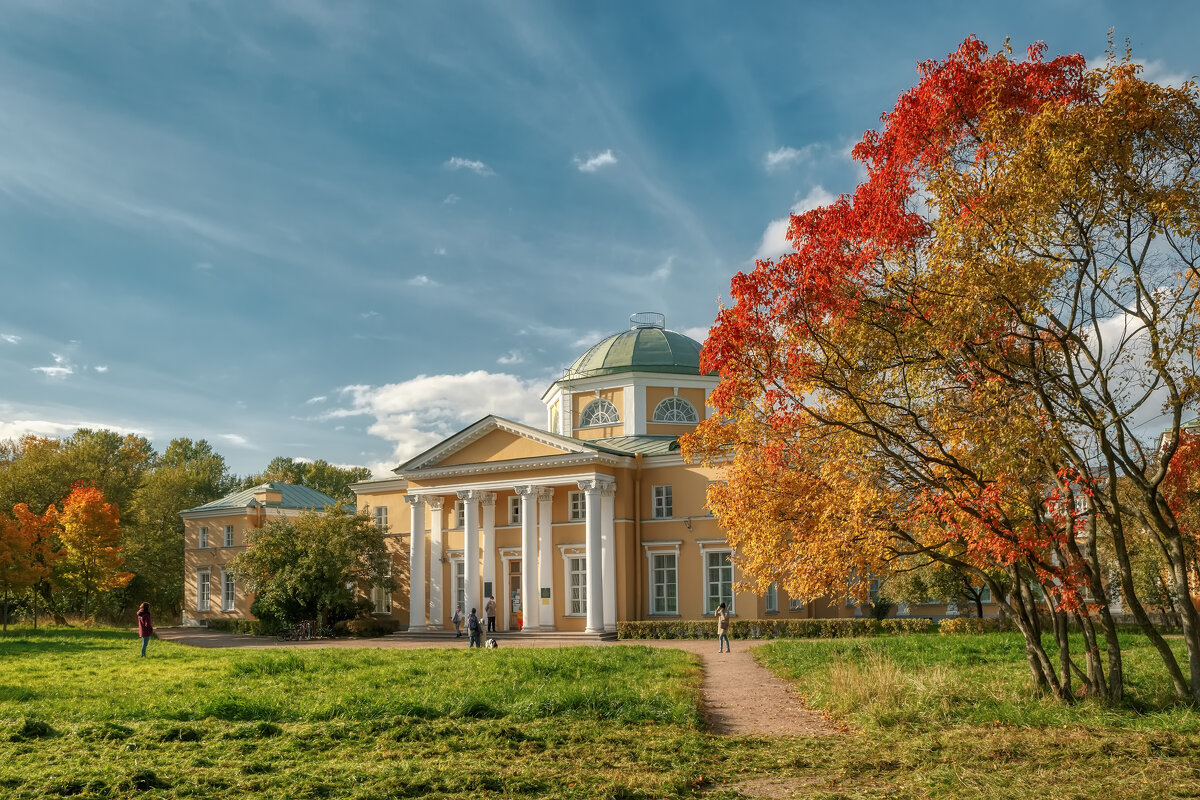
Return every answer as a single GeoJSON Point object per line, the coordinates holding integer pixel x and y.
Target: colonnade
{"type": "Point", "coordinates": [537, 552]}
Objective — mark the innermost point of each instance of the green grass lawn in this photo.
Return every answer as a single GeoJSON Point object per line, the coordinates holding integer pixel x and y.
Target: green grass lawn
{"type": "Point", "coordinates": [928, 716]}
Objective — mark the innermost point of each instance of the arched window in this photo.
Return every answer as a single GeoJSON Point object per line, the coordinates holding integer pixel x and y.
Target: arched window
{"type": "Point", "coordinates": [599, 412]}
{"type": "Point", "coordinates": [675, 409]}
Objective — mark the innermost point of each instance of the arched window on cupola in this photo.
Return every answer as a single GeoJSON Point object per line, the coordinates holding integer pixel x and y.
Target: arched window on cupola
{"type": "Point", "coordinates": [599, 412]}
{"type": "Point", "coordinates": [676, 409]}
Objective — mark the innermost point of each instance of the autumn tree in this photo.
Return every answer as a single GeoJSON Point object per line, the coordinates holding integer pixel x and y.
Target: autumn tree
{"type": "Point", "coordinates": [90, 534]}
{"type": "Point", "coordinates": [27, 553]}
{"type": "Point", "coordinates": [327, 478]}
{"type": "Point", "coordinates": [952, 362]}
{"type": "Point", "coordinates": [308, 567]}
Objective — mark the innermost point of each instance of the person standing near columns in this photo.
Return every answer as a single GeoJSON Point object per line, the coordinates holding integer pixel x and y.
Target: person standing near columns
{"type": "Point", "coordinates": [489, 610]}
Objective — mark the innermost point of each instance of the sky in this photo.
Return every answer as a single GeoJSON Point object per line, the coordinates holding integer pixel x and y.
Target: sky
{"type": "Point", "coordinates": [347, 230]}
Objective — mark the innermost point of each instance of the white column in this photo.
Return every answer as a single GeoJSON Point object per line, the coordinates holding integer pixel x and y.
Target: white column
{"type": "Point", "coordinates": [437, 591]}
{"type": "Point", "coordinates": [470, 551]}
{"type": "Point", "coordinates": [416, 563]}
{"type": "Point", "coordinates": [489, 546]}
{"type": "Point", "coordinates": [594, 557]}
{"type": "Point", "coordinates": [545, 496]}
{"type": "Point", "coordinates": [529, 592]}
{"type": "Point", "coordinates": [608, 548]}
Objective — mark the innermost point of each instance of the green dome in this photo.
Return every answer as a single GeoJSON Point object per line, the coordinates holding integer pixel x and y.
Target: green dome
{"type": "Point", "coordinates": [646, 347]}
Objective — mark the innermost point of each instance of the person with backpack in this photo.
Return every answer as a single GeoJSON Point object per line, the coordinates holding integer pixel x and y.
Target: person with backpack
{"type": "Point", "coordinates": [473, 630]}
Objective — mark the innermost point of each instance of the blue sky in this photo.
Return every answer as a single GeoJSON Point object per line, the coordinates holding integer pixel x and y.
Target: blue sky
{"type": "Point", "coordinates": [345, 230]}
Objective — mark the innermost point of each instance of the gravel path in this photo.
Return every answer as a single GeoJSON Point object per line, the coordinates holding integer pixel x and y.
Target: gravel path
{"type": "Point", "coordinates": [741, 698]}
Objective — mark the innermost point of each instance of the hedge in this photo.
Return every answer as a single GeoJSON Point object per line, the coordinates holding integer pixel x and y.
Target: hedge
{"type": "Point", "coordinates": [771, 628]}
{"type": "Point", "coordinates": [253, 627]}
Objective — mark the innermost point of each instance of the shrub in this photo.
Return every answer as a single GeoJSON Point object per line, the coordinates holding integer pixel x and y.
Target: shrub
{"type": "Point", "coordinates": [771, 628]}
{"type": "Point", "coordinates": [366, 627]}
{"type": "Point", "coordinates": [253, 627]}
{"type": "Point", "coordinates": [959, 625]}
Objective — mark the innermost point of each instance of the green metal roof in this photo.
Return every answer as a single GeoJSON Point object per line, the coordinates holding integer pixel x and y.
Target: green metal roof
{"type": "Point", "coordinates": [293, 497]}
{"type": "Point", "coordinates": [646, 444]}
{"type": "Point", "coordinates": [647, 347]}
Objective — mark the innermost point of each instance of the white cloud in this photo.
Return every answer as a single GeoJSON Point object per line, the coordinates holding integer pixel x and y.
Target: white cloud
{"type": "Point", "coordinates": [774, 239]}
{"type": "Point", "coordinates": [663, 270]}
{"type": "Point", "coordinates": [1153, 71]}
{"type": "Point", "coordinates": [785, 157]}
{"type": "Point", "coordinates": [61, 369]}
{"type": "Point", "coordinates": [102, 368]}
{"type": "Point", "coordinates": [478, 167]}
{"type": "Point", "coordinates": [511, 357]}
{"type": "Point", "coordinates": [369, 314]}
{"type": "Point", "coordinates": [17, 428]}
{"type": "Point", "coordinates": [593, 163]}
{"type": "Point", "coordinates": [419, 413]}
{"type": "Point", "coordinates": [421, 280]}
{"type": "Point", "coordinates": [699, 334]}
{"type": "Point", "coordinates": [236, 439]}
{"type": "Point", "coordinates": [451, 199]}
{"type": "Point", "coordinates": [439, 251]}
{"type": "Point", "coordinates": [11, 338]}
{"type": "Point", "coordinates": [312, 401]}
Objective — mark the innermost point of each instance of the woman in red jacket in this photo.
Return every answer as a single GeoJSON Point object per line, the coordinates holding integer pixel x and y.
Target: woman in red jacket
{"type": "Point", "coordinates": [145, 629]}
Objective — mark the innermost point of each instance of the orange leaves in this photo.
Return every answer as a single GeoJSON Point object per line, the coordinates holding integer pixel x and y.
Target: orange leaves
{"type": "Point", "coordinates": [90, 532]}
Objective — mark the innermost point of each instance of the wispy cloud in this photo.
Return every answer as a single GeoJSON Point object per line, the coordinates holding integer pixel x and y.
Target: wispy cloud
{"type": "Point", "coordinates": [451, 199]}
{"type": "Point", "coordinates": [236, 439]}
{"type": "Point", "coordinates": [204, 266]}
{"type": "Point", "coordinates": [439, 251]}
{"type": "Point", "coordinates": [17, 428]}
{"type": "Point", "coordinates": [61, 369]}
{"type": "Point", "coordinates": [774, 239]}
{"type": "Point", "coordinates": [312, 401]}
{"type": "Point", "coordinates": [478, 167]}
{"type": "Point", "coordinates": [595, 162]}
{"type": "Point", "coordinates": [1155, 71]}
{"type": "Point", "coordinates": [418, 413]}
{"type": "Point", "coordinates": [102, 368]}
{"type": "Point", "coordinates": [369, 314]}
{"type": "Point", "coordinates": [785, 157]}
{"type": "Point", "coordinates": [11, 338]}
{"type": "Point", "coordinates": [421, 280]}
{"type": "Point", "coordinates": [511, 357]}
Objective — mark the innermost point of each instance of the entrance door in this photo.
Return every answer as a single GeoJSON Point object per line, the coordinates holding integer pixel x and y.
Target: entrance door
{"type": "Point", "coordinates": [514, 594]}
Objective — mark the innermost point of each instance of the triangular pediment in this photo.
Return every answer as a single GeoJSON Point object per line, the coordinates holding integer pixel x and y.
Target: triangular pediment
{"type": "Point", "coordinates": [495, 440]}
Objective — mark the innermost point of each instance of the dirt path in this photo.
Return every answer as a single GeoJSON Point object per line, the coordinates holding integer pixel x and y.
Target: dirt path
{"type": "Point", "coordinates": [741, 698]}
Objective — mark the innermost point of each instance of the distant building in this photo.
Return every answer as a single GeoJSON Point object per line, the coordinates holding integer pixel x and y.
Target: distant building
{"type": "Point", "coordinates": [214, 533]}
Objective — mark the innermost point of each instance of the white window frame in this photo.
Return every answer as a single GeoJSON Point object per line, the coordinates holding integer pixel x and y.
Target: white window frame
{"type": "Point", "coordinates": [229, 536]}
{"type": "Point", "coordinates": [706, 583]}
{"type": "Point", "coordinates": [771, 599]}
{"type": "Point", "coordinates": [514, 510]}
{"type": "Point", "coordinates": [380, 516]}
{"type": "Point", "coordinates": [795, 604]}
{"type": "Point", "coordinates": [576, 506]}
{"type": "Point", "coordinates": [458, 583]}
{"type": "Point", "coordinates": [460, 519]}
{"type": "Point", "coordinates": [674, 410]}
{"type": "Point", "coordinates": [202, 538]}
{"type": "Point", "coordinates": [203, 590]}
{"type": "Point", "coordinates": [602, 408]}
{"type": "Point", "coordinates": [574, 558]}
{"type": "Point", "coordinates": [666, 609]}
{"type": "Point", "coordinates": [228, 591]}
{"type": "Point", "coordinates": [380, 597]}
{"type": "Point", "coordinates": [662, 504]}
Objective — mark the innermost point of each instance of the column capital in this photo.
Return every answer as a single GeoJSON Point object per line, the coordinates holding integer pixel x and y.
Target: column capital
{"type": "Point", "coordinates": [526, 489]}
{"type": "Point", "coordinates": [596, 484]}
{"type": "Point", "coordinates": [545, 493]}
{"type": "Point", "coordinates": [609, 489]}
{"type": "Point", "coordinates": [413, 499]}
{"type": "Point", "coordinates": [467, 494]}
{"type": "Point", "coordinates": [487, 498]}
{"type": "Point", "coordinates": [436, 503]}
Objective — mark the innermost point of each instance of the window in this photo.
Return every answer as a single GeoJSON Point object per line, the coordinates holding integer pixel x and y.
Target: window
{"type": "Point", "coordinates": [229, 536]}
{"type": "Point", "coordinates": [380, 516]}
{"type": "Point", "coordinates": [577, 585]}
{"type": "Point", "coordinates": [227, 591]}
{"type": "Point", "coordinates": [662, 502]}
{"type": "Point", "coordinates": [718, 579]}
{"type": "Point", "coordinates": [599, 412]}
{"type": "Point", "coordinates": [578, 505]}
{"type": "Point", "coordinates": [203, 538]}
{"type": "Point", "coordinates": [460, 586]}
{"type": "Point", "coordinates": [381, 597]}
{"type": "Point", "coordinates": [203, 577]}
{"type": "Point", "coordinates": [795, 604]}
{"type": "Point", "coordinates": [460, 517]}
{"type": "Point", "coordinates": [514, 511]}
{"type": "Point", "coordinates": [771, 599]}
{"type": "Point", "coordinates": [675, 409]}
{"type": "Point", "coordinates": [985, 593]}
{"type": "Point", "coordinates": [665, 587]}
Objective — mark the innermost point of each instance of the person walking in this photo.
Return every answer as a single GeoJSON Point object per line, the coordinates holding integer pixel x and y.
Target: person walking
{"type": "Point", "coordinates": [457, 619]}
{"type": "Point", "coordinates": [473, 630]}
{"type": "Point", "coordinates": [145, 628]}
{"type": "Point", "coordinates": [489, 608]}
{"type": "Point", "coordinates": [723, 629]}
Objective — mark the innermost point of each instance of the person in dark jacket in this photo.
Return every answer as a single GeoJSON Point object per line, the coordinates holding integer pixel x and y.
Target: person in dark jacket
{"type": "Point", "coordinates": [145, 628]}
{"type": "Point", "coordinates": [473, 630]}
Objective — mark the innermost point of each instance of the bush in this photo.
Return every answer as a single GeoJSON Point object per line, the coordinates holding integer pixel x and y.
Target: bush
{"type": "Point", "coordinates": [367, 627]}
{"type": "Point", "coordinates": [253, 627]}
{"type": "Point", "coordinates": [771, 628]}
{"type": "Point", "coordinates": [959, 625]}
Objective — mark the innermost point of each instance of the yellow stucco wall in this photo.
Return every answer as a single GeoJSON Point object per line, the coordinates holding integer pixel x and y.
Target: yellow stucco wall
{"type": "Point", "coordinates": [499, 446]}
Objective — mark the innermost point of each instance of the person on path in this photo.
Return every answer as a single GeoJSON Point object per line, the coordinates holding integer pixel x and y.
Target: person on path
{"type": "Point", "coordinates": [489, 608]}
{"type": "Point", "coordinates": [458, 620]}
{"type": "Point", "coordinates": [473, 630]}
{"type": "Point", "coordinates": [723, 629]}
{"type": "Point", "coordinates": [145, 629]}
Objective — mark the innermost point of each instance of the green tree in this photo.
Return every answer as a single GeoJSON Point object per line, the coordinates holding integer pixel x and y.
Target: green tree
{"type": "Point", "coordinates": [308, 567]}
{"type": "Point", "coordinates": [333, 480]}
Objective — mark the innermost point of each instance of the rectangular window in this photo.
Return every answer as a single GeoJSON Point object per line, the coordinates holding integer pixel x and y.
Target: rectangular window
{"type": "Point", "coordinates": [795, 605]}
{"type": "Point", "coordinates": [203, 577]}
{"type": "Point", "coordinates": [662, 502]}
{"type": "Point", "coordinates": [664, 597]}
{"type": "Point", "coordinates": [460, 519]}
{"type": "Point", "coordinates": [718, 579]}
{"type": "Point", "coordinates": [771, 599]}
{"type": "Point", "coordinates": [203, 539]}
{"type": "Point", "coordinates": [578, 508]}
{"type": "Point", "coordinates": [514, 511]}
{"type": "Point", "coordinates": [985, 594]}
{"type": "Point", "coordinates": [229, 536]}
{"type": "Point", "coordinates": [227, 591]}
{"type": "Point", "coordinates": [381, 597]}
{"type": "Point", "coordinates": [577, 585]}
{"type": "Point", "coordinates": [460, 586]}
{"type": "Point", "coordinates": [379, 514]}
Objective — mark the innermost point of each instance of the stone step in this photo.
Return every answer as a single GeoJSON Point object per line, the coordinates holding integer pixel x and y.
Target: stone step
{"type": "Point", "coordinates": [558, 637]}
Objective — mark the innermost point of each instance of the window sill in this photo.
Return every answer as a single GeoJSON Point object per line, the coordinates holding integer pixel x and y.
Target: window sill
{"type": "Point", "coordinates": [665, 614]}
